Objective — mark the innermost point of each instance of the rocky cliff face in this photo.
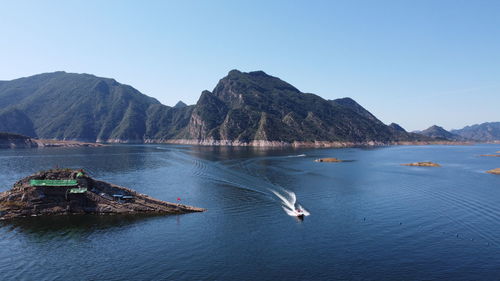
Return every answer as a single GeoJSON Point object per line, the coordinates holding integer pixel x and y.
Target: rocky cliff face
{"type": "Point", "coordinates": [256, 107]}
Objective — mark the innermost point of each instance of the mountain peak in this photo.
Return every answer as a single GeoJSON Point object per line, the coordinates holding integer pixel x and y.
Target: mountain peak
{"type": "Point", "coordinates": [258, 73]}
{"type": "Point", "coordinates": [435, 127]}
{"type": "Point", "coordinates": [356, 107]}
{"type": "Point", "coordinates": [396, 127]}
{"type": "Point", "coordinates": [180, 104]}
{"type": "Point", "coordinates": [237, 86]}
{"type": "Point", "coordinates": [438, 132]}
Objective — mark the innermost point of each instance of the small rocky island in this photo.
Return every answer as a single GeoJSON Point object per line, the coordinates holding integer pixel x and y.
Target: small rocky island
{"type": "Point", "coordinates": [68, 191]}
{"type": "Point", "coordinates": [422, 164]}
{"type": "Point", "coordinates": [330, 159]}
{"type": "Point", "coordinates": [494, 171]}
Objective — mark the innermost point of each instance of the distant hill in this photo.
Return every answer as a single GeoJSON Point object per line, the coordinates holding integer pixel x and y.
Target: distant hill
{"type": "Point", "coordinates": [243, 108]}
{"type": "Point", "coordinates": [439, 133]}
{"type": "Point", "coordinates": [489, 131]}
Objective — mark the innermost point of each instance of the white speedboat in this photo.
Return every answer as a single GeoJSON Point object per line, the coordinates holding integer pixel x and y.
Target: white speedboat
{"type": "Point", "coordinates": [300, 214]}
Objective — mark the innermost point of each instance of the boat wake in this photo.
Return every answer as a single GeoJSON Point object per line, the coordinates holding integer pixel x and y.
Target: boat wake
{"type": "Point", "coordinates": [289, 203]}
{"type": "Point", "coordinates": [300, 155]}
{"type": "Point", "coordinates": [241, 175]}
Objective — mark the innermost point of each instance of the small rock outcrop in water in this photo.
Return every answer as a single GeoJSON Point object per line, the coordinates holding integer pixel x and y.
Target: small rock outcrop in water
{"type": "Point", "coordinates": [331, 159]}
{"type": "Point", "coordinates": [494, 171]}
{"type": "Point", "coordinates": [82, 195]}
{"type": "Point", "coordinates": [490, 155]}
{"type": "Point", "coordinates": [422, 164]}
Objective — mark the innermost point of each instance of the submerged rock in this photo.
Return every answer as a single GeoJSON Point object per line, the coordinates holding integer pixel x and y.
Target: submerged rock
{"type": "Point", "coordinates": [422, 164]}
{"type": "Point", "coordinates": [331, 159]}
{"type": "Point", "coordinates": [68, 191]}
{"type": "Point", "coordinates": [494, 171]}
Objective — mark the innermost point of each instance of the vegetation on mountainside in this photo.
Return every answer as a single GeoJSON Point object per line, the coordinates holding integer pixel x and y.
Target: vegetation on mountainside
{"type": "Point", "coordinates": [243, 107]}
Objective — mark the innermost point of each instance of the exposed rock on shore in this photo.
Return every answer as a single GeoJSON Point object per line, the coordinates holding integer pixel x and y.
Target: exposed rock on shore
{"type": "Point", "coordinates": [311, 144]}
{"type": "Point", "coordinates": [63, 143]}
{"type": "Point", "coordinates": [80, 194]}
{"type": "Point", "coordinates": [422, 164]}
{"type": "Point", "coordinates": [328, 160]}
{"type": "Point", "coordinates": [494, 171]}
{"type": "Point", "coordinates": [9, 140]}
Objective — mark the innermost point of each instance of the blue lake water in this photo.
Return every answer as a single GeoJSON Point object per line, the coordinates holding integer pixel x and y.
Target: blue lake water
{"type": "Point", "coordinates": [371, 218]}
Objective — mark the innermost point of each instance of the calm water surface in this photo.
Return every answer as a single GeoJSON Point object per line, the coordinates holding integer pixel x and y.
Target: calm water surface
{"type": "Point", "coordinates": [371, 219]}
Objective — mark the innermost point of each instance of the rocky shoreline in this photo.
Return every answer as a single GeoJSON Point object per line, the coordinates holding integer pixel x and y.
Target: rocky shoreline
{"type": "Point", "coordinates": [27, 142]}
{"type": "Point", "coordinates": [41, 143]}
{"type": "Point", "coordinates": [68, 191]}
{"type": "Point", "coordinates": [11, 141]}
{"type": "Point", "coordinates": [315, 144]}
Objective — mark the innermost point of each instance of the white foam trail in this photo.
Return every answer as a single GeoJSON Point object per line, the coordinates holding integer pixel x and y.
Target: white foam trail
{"type": "Point", "coordinates": [289, 202]}
{"type": "Point", "coordinates": [248, 179]}
{"type": "Point", "coordinates": [300, 155]}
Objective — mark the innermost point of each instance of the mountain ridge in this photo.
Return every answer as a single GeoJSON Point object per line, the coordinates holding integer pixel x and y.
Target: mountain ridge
{"type": "Point", "coordinates": [251, 108]}
{"type": "Point", "coordinates": [485, 132]}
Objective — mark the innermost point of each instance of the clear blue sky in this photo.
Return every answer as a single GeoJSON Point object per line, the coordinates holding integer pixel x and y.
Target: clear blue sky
{"type": "Point", "coordinates": [417, 63]}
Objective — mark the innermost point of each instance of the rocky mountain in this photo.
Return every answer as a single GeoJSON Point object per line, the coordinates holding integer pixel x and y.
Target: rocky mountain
{"type": "Point", "coordinates": [489, 131]}
{"type": "Point", "coordinates": [439, 133]}
{"type": "Point", "coordinates": [256, 107]}
{"type": "Point", "coordinates": [83, 107]}
{"type": "Point", "coordinates": [76, 106]}
{"type": "Point", "coordinates": [244, 108]}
